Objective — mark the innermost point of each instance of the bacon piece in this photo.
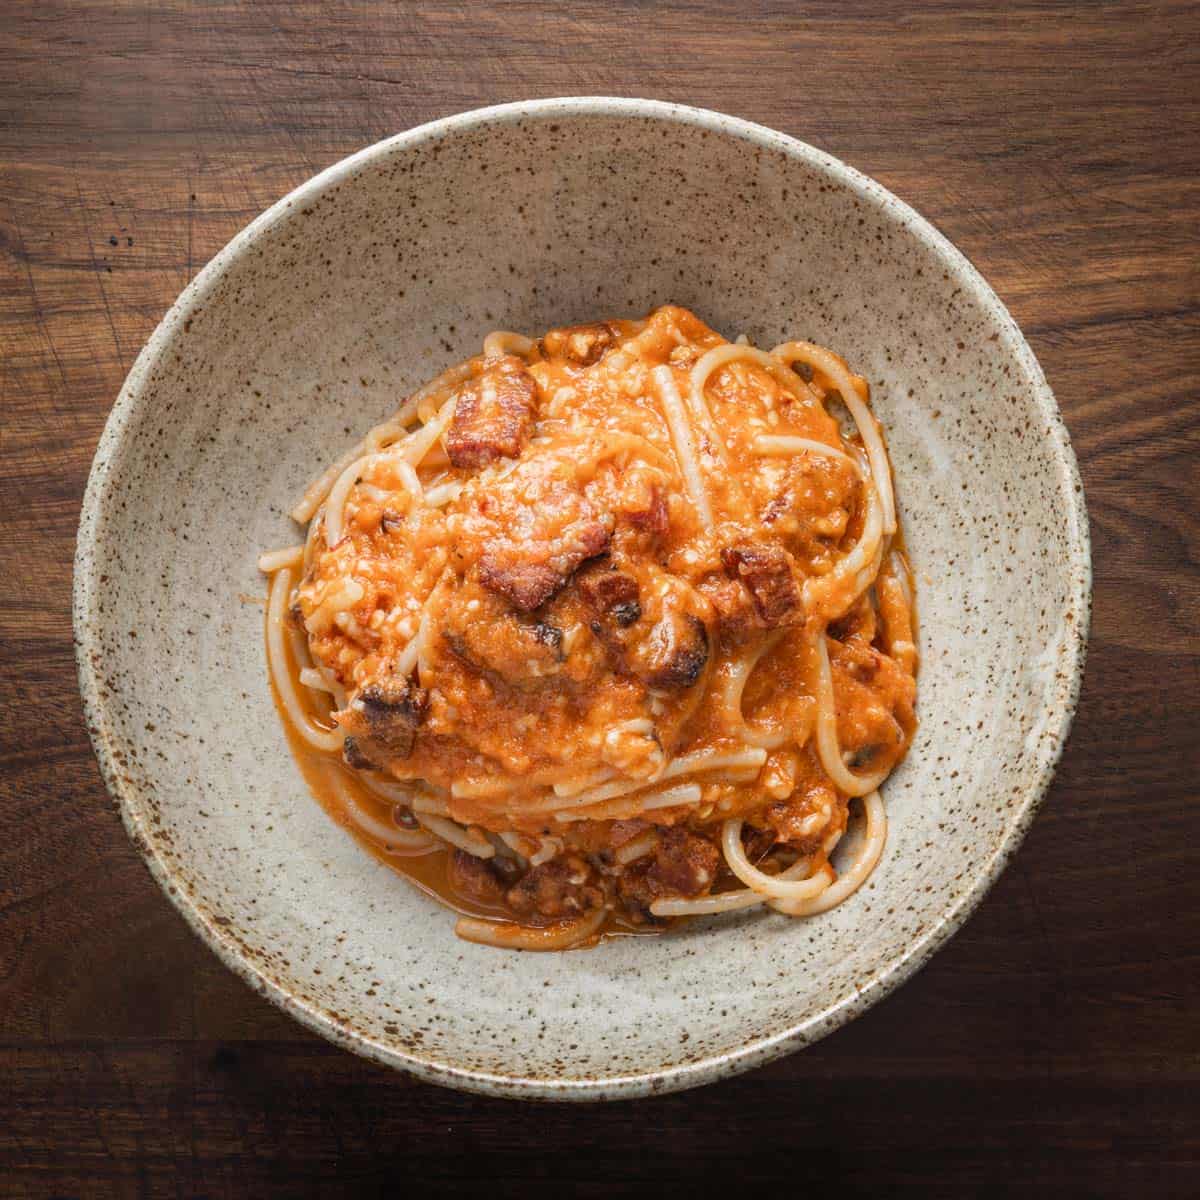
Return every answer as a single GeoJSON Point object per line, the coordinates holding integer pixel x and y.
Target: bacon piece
{"type": "Point", "coordinates": [654, 518]}
{"type": "Point", "coordinates": [519, 651]}
{"type": "Point", "coordinates": [734, 606]}
{"type": "Point", "coordinates": [767, 573]}
{"type": "Point", "coordinates": [581, 345]}
{"type": "Point", "coordinates": [562, 887]}
{"type": "Point", "coordinates": [757, 843]}
{"type": "Point", "coordinates": [526, 583]}
{"type": "Point", "coordinates": [354, 756]}
{"type": "Point", "coordinates": [789, 819]}
{"type": "Point", "coordinates": [683, 864]}
{"type": "Point", "coordinates": [666, 653]}
{"type": "Point", "coordinates": [642, 503]}
{"type": "Point", "coordinates": [474, 878]}
{"type": "Point", "coordinates": [674, 654]}
{"type": "Point", "coordinates": [535, 527]}
{"type": "Point", "coordinates": [492, 414]}
{"type": "Point", "coordinates": [611, 593]}
{"type": "Point", "coordinates": [386, 714]}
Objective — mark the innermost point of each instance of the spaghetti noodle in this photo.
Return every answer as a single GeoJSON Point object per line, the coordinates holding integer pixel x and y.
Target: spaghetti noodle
{"type": "Point", "coordinates": [606, 629]}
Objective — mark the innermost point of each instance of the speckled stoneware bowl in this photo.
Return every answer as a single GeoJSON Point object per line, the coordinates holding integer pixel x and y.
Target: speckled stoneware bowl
{"type": "Point", "coordinates": [312, 324]}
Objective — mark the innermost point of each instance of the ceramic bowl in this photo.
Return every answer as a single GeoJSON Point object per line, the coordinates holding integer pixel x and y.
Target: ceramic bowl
{"type": "Point", "coordinates": [312, 324]}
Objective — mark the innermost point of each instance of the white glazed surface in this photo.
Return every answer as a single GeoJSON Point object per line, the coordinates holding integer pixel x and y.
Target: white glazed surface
{"type": "Point", "coordinates": [310, 327]}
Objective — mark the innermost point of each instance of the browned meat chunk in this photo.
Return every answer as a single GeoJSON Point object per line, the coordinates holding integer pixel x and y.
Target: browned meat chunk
{"type": "Point", "coordinates": [667, 653]}
{"type": "Point", "coordinates": [642, 504]}
{"type": "Point", "coordinates": [652, 517]}
{"type": "Point", "coordinates": [387, 713]}
{"type": "Point", "coordinates": [517, 650]}
{"type": "Point", "coordinates": [861, 661]}
{"type": "Point", "coordinates": [736, 614]}
{"type": "Point", "coordinates": [474, 878]}
{"type": "Point", "coordinates": [581, 345]}
{"type": "Point", "coordinates": [683, 864]}
{"type": "Point", "coordinates": [789, 819]}
{"type": "Point", "coordinates": [535, 528]}
{"type": "Point", "coordinates": [611, 593]}
{"type": "Point", "coordinates": [757, 842]}
{"type": "Point", "coordinates": [767, 573]}
{"type": "Point", "coordinates": [563, 887]}
{"type": "Point", "coordinates": [492, 414]}
{"type": "Point", "coordinates": [812, 507]}
{"type": "Point", "coordinates": [354, 756]}
{"type": "Point", "coordinates": [674, 654]}
{"type": "Point", "coordinates": [527, 584]}
{"type": "Point", "coordinates": [634, 888]}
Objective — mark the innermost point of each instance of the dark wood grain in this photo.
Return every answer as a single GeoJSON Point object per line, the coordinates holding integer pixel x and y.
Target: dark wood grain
{"type": "Point", "coordinates": [1054, 1047]}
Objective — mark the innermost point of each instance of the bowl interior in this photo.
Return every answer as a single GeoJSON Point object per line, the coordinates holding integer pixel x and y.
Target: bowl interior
{"type": "Point", "coordinates": [313, 325]}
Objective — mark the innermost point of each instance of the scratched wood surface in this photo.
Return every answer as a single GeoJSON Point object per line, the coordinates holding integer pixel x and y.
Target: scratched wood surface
{"type": "Point", "coordinates": [1054, 1047]}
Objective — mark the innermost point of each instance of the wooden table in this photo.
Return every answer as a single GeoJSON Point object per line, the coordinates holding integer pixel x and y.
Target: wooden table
{"type": "Point", "coordinates": [1053, 1047]}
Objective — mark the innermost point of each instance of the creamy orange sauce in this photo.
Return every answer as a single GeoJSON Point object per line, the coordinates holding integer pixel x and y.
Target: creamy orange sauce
{"type": "Point", "coordinates": [580, 622]}
{"type": "Point", "coordinates": [428, 870]}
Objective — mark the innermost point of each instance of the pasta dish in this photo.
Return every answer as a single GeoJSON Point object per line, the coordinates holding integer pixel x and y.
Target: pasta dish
{"type": "Point", "coordinates": [606, 629]}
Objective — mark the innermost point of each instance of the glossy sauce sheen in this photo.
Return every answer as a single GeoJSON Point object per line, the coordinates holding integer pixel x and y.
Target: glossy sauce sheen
{"type": "Point", "coordinates": [526, 683]}
{"type": "Point", "coordinates": [427, 870]}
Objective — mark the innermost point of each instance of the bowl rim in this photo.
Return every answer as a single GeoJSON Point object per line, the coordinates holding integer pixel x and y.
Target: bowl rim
{"type": "Point", "coordinates": [656, 1080]}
